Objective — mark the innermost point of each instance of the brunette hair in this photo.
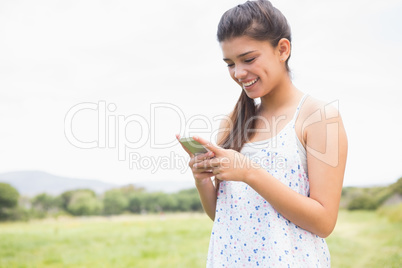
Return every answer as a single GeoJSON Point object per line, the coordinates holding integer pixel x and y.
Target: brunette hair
{"type": "Point", "coordinates": [261, 21]}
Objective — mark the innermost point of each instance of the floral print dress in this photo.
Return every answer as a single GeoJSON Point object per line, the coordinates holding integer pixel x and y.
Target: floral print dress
{"type": "Point", "coordinates": [248, 231]}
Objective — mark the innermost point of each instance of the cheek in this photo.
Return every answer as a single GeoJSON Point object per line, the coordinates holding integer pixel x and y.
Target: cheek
{"type": "Point", "coordinates": [232, 74]}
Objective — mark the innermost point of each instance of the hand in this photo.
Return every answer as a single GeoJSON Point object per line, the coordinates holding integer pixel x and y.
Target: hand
{"type": "Point", "coordinates": [227, 165]}
{"type": "Point", "coordinates": [201, 174]}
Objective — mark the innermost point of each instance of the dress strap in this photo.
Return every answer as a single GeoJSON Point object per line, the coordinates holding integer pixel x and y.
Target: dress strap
{"type": "Point", "coordinates": [298, 107]}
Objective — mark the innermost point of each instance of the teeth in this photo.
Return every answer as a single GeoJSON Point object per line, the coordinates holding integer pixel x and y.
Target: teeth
{"type": "Point", "coordinates": [250, 83]}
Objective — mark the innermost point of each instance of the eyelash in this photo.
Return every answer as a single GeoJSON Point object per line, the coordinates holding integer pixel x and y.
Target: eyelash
{"type": "Point", "coordinates": [247, 61]}
{"type": "Point", "coordinates": [250, 60]}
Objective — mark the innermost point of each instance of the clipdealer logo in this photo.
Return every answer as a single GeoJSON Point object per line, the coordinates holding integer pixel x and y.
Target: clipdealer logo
{"type": "Point", "coordinates": [112, 129]}
{"type": "Point", "coordinates": [112, 133]}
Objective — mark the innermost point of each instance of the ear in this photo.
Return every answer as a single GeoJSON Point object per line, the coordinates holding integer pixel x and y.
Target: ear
{"type": "Point", "coordinates": [283, 49]}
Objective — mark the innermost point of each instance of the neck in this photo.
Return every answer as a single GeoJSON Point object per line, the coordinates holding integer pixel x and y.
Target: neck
{"type": "Point", "coordinates": [279, 96]}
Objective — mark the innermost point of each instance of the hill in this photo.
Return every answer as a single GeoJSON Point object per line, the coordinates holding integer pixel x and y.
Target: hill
{"type": "Point", "coordinates": [31, 183]}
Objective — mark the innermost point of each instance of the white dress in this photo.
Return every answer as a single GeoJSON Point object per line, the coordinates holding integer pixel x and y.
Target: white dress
{"type": "Point", "coordinates": [248, 231]}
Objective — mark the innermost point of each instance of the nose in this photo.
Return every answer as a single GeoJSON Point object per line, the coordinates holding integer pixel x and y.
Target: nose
{"type": "Point", "coordinates": [240, 72]}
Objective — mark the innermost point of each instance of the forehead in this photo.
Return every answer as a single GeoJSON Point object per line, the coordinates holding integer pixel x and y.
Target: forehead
{"type": "Point", "coordinates": [236, 46]}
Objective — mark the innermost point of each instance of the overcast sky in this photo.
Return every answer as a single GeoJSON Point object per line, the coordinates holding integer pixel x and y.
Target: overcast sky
{"type": "Point", "coordinates": [141, 72]}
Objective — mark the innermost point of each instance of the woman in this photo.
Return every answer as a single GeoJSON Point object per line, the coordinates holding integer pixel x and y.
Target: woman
{"type": "Point", "coordinates": [280, 164]}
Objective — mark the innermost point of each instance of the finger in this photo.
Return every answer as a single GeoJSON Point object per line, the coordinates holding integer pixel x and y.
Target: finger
{"type": "Point", "coordinates": [209, 163]}
{"type": "Point", "coordinates": [201, 157]}
{"type": "Point", "coordinates": [215, 162]}
{"type": "Point", "coordinates": [215, 171]}
{"type": "Point", "coordinates": [184, 147]}
{"type": "Point", "coordinates": [204, 175]}
{"type": "Point", "coordinates": [202, 170]}
{"type": "Point", "coordinates": [213, 148]}
{"type": "Point", "coordinates": [219, 177]}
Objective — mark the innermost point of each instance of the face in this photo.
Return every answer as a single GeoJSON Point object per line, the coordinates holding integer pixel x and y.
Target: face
{"type": "Point", "coordinates": [255, 65]}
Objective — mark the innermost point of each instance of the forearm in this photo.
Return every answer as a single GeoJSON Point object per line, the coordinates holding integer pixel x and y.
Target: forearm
{"type": "Point", "coordinates": [207, 193]}
{"type": "Point", "coordinates": [303, 211]}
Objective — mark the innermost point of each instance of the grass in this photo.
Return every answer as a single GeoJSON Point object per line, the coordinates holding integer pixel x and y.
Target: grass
{"type": "Point", "coordinates": [365, 239]}
{"type": "Point", "coordinates": [136, 241]}
{"type": "Point", "coordinates": [361, 239]}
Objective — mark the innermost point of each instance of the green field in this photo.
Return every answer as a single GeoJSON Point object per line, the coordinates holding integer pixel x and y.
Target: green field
{"type": "Point", "coordinates": [361, 239]}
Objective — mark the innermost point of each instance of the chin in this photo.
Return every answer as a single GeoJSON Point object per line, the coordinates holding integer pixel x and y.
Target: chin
{"type": "Point", "coordinates": [253, 95]}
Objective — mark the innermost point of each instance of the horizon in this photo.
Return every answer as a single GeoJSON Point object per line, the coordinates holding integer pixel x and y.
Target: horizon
{"type": "Point", "coordinates": [141, 184]}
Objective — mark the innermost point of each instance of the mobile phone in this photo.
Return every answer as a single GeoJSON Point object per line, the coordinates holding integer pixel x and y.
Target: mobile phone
{"type": "Point", "coordinates": [193, 146]}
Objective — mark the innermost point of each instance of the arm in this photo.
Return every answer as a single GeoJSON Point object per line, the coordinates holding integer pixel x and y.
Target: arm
{"type": "Point", "coordinates": [203, 183]}
{"type": "Point", "coordinates": [207, 193]}
{"type": "Point", "coordinates": [326, 145]}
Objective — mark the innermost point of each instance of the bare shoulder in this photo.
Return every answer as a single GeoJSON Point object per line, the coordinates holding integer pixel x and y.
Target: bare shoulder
{"type": "Point", "coordinates": [313, 105]}
{"type": "Point", "coordinates": [316, 111]}
{"type": "Point", "coordinates": [315, 116]}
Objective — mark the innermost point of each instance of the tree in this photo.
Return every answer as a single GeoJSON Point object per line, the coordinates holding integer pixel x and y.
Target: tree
{"type": "Point", "coordinates": [66, 197]}
{"type": "Point", "coordinates": [8, 196]}
{"type": "Point", "coordinates": [44, 204]}
{"type": "Point", "coordinates": [83, 203]}
{"type": "Point", "coordinates": [136, 203]}
{"type": "Point", "coordinates": [188, 200]}
{"type": "Point", "coordinates": [130, 189]}
{"type": "Point", "coordinates": [115, 202]}
{"type": "Point", "coordinates": [8, 200]}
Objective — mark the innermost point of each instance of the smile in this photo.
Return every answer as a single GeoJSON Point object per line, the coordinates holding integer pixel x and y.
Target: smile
{"type": "Point", "coordinates": [250, 83]}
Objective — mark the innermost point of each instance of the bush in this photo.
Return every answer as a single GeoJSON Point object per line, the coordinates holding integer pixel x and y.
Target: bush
{"type": "Point", "coordinates": [47, 203]}
{"type": "Point", "coordinates": [135, 203]}
{"type": "Point", "coordinates": [188, 200]}
{"type": "Point", "coordinates": [397, 186]}
{"type": "Point", "coordinates": [83, 203]}
{"type": "Point", "coordinates": [115, 202]}
{"type": "Point", "coordinates": [363, 201]}
{"type": "Point", "coordinates": [8, 201]}
{"type": "Point", "coordinates": [18, 214]}
{"type": "Point", "coordinates": [8, 196]}
{"type": "Point", "coordinates": [67, 196]}
{"type": "Point", "coordinates": [354, 198]}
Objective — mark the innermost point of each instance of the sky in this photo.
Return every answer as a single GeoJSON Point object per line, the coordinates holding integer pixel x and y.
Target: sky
{"type": "Point", "coordinates": [98, 89]}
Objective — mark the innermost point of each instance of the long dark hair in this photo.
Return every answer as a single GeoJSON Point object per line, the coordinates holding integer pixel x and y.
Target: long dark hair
{"type": "Point", "coordinates": [261, 21]}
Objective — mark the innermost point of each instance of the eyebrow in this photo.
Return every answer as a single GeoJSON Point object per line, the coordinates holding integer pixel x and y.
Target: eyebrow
{"type": "Point", "coordinates": [242, 55]}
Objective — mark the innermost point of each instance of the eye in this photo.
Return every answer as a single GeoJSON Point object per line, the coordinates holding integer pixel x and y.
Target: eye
{"type": "Point", "coordinates": [249, 60]}
{"type": "Point", "coordinates": [230, 64]}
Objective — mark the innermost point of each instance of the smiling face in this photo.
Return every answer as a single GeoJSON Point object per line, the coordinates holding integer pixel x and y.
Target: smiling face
{"type": "Point", "coordinates": [255, 65]}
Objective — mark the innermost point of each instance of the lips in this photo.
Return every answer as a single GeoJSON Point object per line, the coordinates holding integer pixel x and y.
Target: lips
{"type": "Point", "coordinates": [250, 83]}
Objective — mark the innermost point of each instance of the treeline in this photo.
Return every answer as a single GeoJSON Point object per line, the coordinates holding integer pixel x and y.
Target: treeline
{"type": "Point", "coordinates": [130, 199]}
{"type": "Point", "coordinates": [84, 202]}
{"type": "Point", "coordinates": [372, 198]}
{"type": "Point", "coordinates": [385, 201]}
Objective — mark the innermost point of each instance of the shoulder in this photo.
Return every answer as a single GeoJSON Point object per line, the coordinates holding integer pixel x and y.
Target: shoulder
{"type": "Point", "coordinates": [317, 117]}
{"type": "Point", "coordinates": [315, 111]}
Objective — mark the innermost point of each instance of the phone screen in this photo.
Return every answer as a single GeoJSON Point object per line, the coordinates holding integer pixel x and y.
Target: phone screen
{"type": "Point", "coordinates": [193, 146]}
